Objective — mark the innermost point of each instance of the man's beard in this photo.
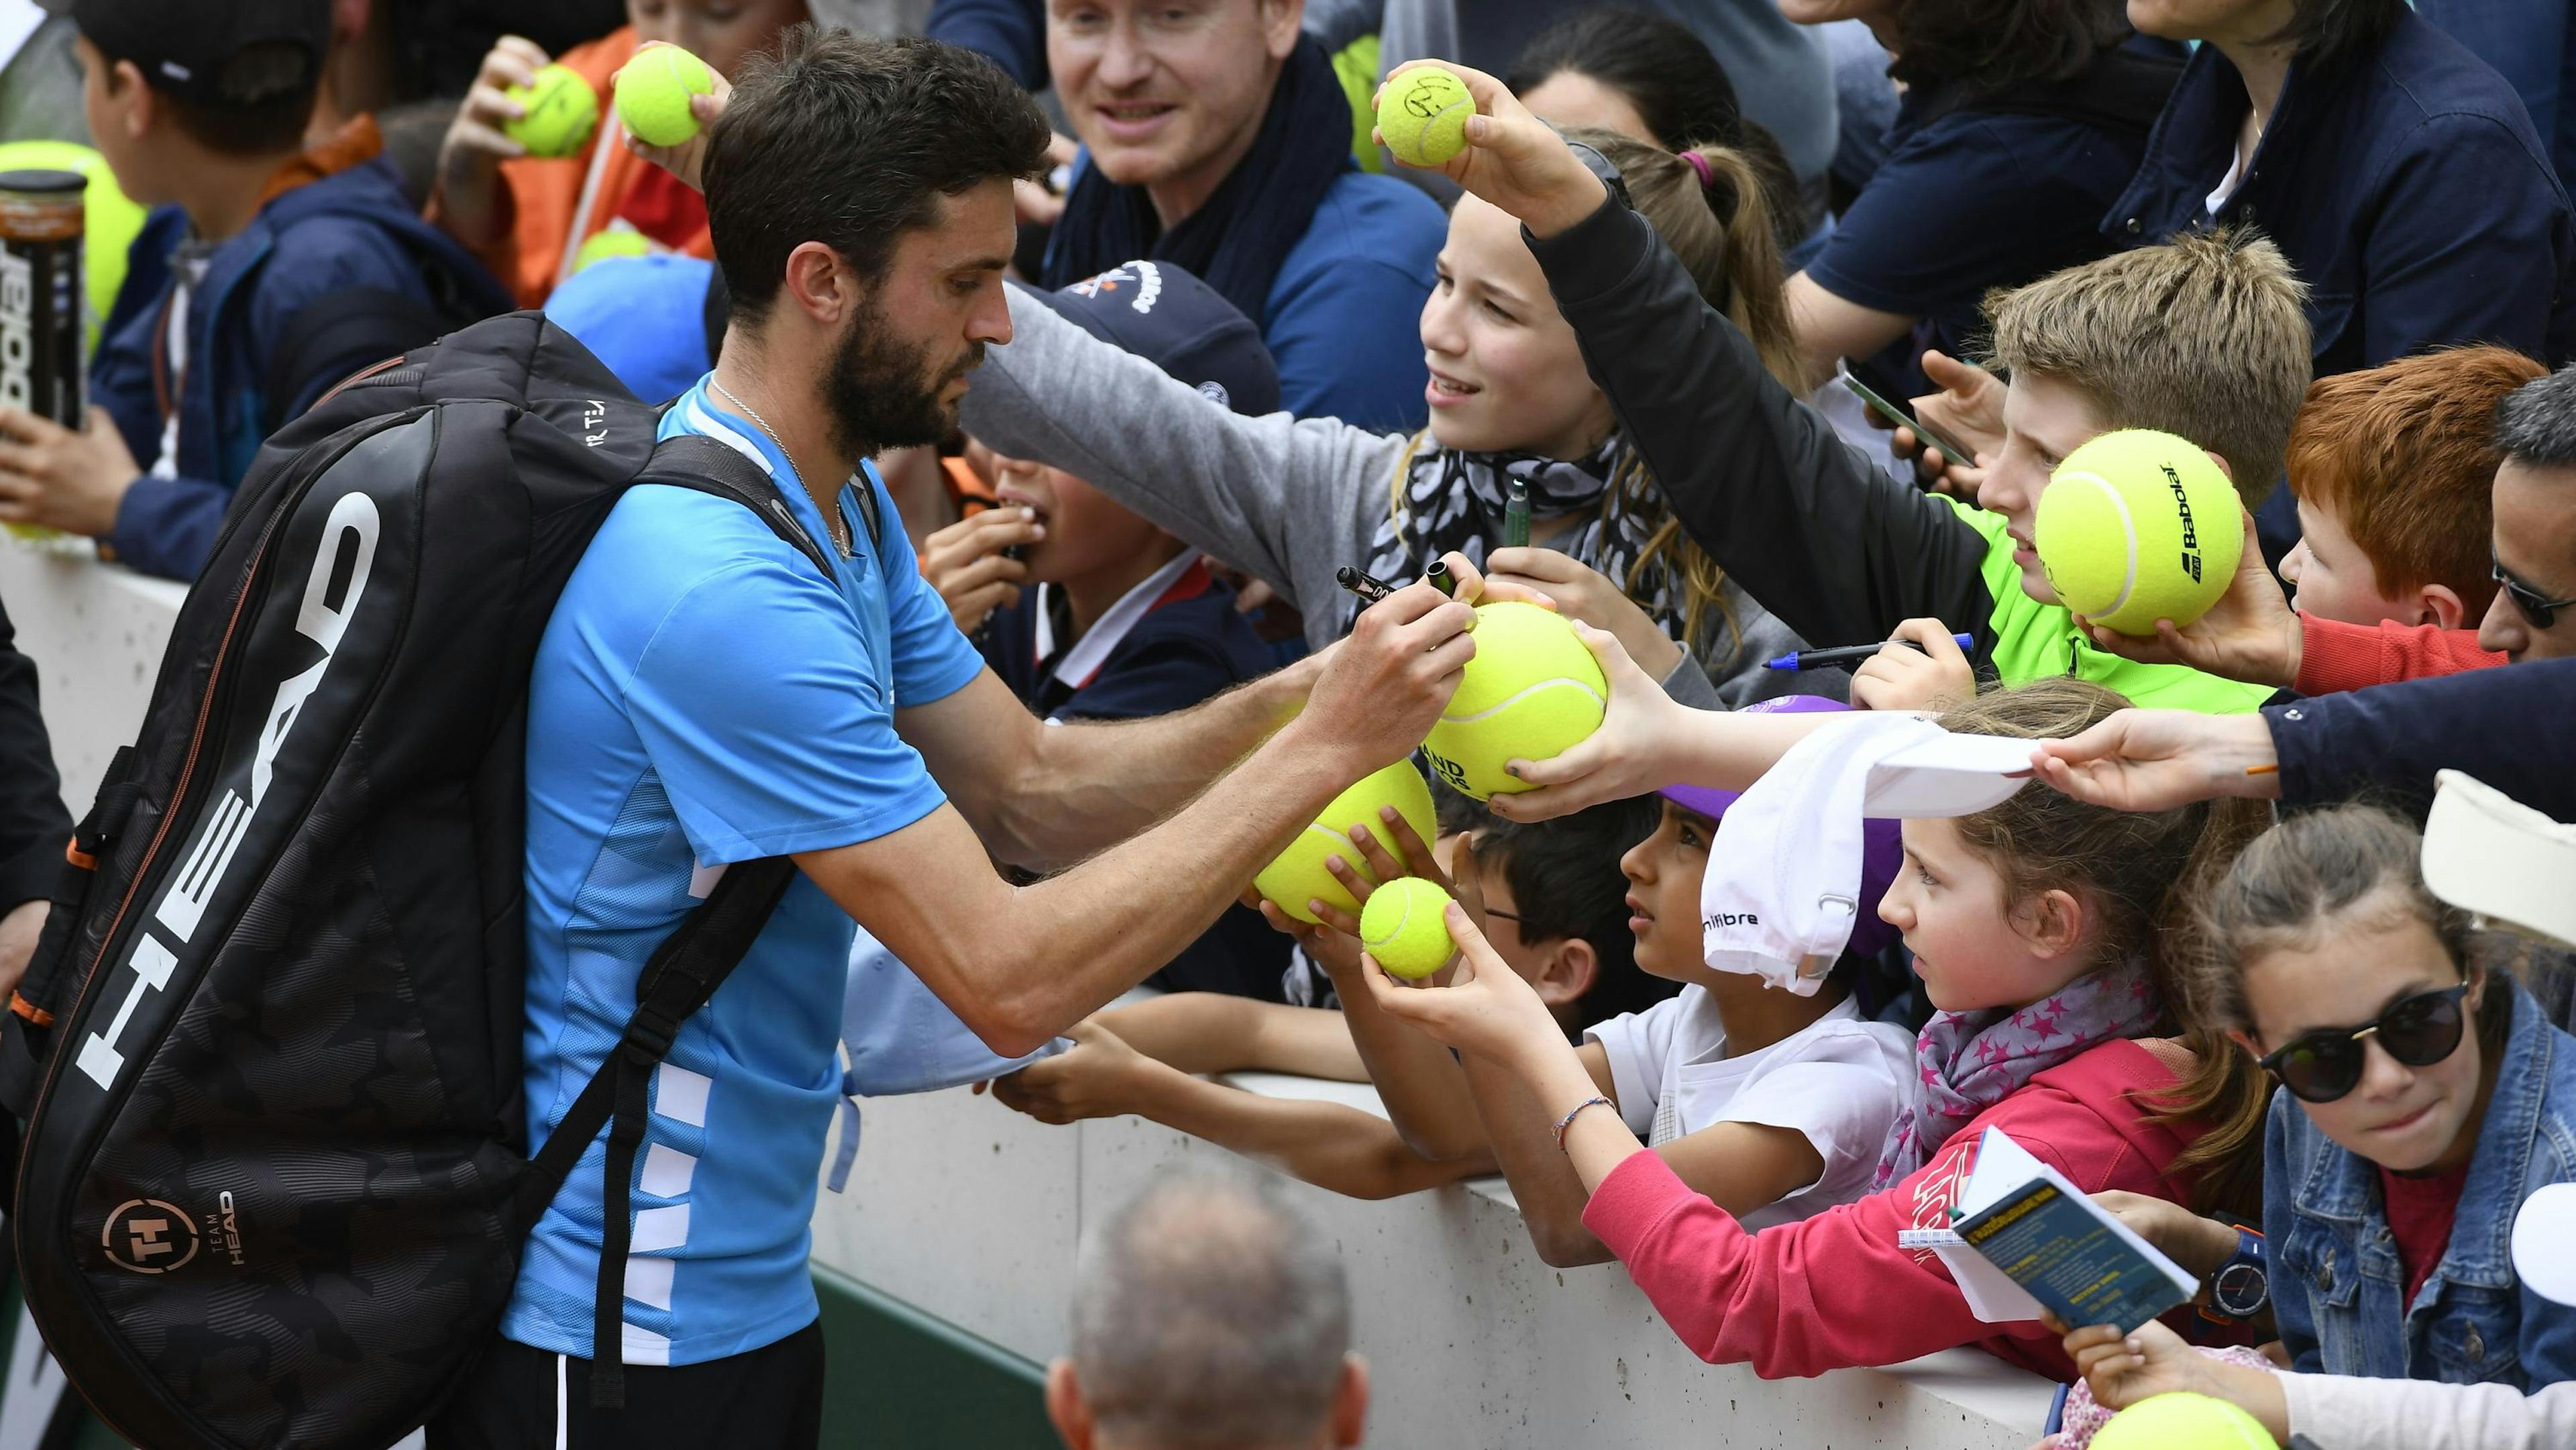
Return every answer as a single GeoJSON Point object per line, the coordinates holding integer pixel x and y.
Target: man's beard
{"type": "Point", "coordinates": [879, 392]}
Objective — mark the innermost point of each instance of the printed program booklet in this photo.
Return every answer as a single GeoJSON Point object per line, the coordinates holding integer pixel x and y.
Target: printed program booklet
{"type": "Point", "coordinates": [2024, 1239]}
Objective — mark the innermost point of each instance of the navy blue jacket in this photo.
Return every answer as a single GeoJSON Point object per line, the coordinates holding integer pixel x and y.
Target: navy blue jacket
{"type": "Point", "coordinates": [393, 281]}
{"type": "Point", "coordinates": [2404, 183]}
{"type": "Point", "coordinates": [1191, 645]}
{"type": "Point", "coordinates": [2508, 727]}
{"type": "Point", "coordinates": [1011, 32]}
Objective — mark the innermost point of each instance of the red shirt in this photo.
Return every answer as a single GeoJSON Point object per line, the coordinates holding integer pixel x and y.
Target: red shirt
{"type": "Point", "coordinates": [1834, 1290]}
{"type": "Point", "coordinates": [2335, 656]}
{"type": "Point", "coordinates": [2420, 1211]}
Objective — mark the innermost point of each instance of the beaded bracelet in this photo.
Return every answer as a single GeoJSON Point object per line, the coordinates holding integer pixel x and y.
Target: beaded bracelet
{"type": "Point", "coordinates": [1567, 1121]}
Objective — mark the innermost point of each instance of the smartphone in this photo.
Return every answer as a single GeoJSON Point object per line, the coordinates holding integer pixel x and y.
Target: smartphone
{"type": "Point", "coordinates": [1950, 451]}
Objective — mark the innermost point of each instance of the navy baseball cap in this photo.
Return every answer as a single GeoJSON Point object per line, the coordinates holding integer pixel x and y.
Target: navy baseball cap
{"type": "Point", "coordinates": [1181, 325]}
{"type": "Point", "coordinates": [185, 47]}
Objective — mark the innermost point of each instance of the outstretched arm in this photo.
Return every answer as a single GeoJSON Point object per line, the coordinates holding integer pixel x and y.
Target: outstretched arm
{"type": "Point", "coordinates": [1327, 1144]}
{"type": "Point", "coordinates": [1019, 963]}
{"type": "Point", "coordinates": [1214, 1032]}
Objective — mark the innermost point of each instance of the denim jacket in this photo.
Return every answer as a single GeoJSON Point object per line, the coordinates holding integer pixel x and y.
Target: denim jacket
{"type": "Point", "coordinates": [2337, 1286]}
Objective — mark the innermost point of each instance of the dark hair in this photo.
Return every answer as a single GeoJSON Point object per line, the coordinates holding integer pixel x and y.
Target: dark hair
{"type": "Point", "coordinates": [2535, 425]}
{"type": "Point", "coordinates": [1984, 46]}
{"type": "Point", "coordinates": [2313, 867]}
{"type": "Point", "coordinates": [851, 142]}
{"type": "Point", "coordinates": [1566, 884]}
{"type": "Point", "coordinates": [269, 89]}
{"type": "Point", "coordinates": [2328, 29]}
{"type": "Point", "coordinates": [2137, 874]}
{"type": "Point", "coordinates": [1677, 84]}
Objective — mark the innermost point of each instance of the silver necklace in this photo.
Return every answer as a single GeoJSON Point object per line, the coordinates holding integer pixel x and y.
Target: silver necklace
{"type": "Point", "coordinates": [839, 531]}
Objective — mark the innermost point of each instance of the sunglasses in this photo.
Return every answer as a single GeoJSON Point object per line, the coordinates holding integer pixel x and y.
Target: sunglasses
{"type": "Point", "coordinates": [2419, 1031]}
{"type": "Point", "coordinates": [2536, 607]}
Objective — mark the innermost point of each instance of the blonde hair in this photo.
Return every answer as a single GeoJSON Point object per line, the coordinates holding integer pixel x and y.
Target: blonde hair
{"type": "Point", "coordinates": [1724, 235]}
{"type": "Point", "coordinates": [2205, 336]}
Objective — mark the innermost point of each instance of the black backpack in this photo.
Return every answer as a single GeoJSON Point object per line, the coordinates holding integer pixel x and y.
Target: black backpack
{"type": "Point", "coordinates": [274, 1178]}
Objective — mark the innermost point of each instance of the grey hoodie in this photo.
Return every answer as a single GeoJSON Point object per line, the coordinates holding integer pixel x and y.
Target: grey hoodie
{"type": "Point", "coordinates": [1287, 500]}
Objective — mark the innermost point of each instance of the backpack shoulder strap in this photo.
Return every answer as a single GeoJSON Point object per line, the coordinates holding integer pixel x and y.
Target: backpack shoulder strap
{"type": "Point", "coordinates": [683, 973]}
{"type": "Point", "coordinates": [703, 465]}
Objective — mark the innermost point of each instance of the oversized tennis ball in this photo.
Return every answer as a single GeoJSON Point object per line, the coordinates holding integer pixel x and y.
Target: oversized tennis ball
{"type": "Point", "coordinates": [2138, 526]}
{"type": "Point", "coordinates": [615, 242]}
{"type": "Point", "coordinates": [562, 111]}
{"type": "Point", "coordinates": [2183, 1422]}
{"type": "Point", "coordinates": [1532, 691]}
{"type": "Point", "coordinates": [1423, 115]}
{"type": "Point", "coordinates": [653, 94]}
{"type": "Point", "coordinates": [1298, 875]}
{"type": "Point", "coordinates": [1405, 927]}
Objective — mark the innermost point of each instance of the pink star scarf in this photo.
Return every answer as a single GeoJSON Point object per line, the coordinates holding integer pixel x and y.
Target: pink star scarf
{"type": "Point", "coordinates": [1970, 1061]}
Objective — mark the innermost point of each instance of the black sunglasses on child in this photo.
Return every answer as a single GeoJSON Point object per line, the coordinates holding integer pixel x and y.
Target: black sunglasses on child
{"type": "Point", "coordinates": [2536, 607]}
{"type": "Point", "coordinates": [2418, 1031]}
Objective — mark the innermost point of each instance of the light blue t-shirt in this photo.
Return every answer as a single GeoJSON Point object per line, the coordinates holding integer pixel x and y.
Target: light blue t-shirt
{"type": "Point", "coordinates": [1344, 315]}
{"type": "Point", "coordinates": [701, 697]}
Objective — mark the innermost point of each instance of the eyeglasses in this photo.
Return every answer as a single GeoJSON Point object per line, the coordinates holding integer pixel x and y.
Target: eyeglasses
{"type": "Point", "coordinates": [2540, 610]}
{"type": "Point", "coordinates": [2419, 1031]}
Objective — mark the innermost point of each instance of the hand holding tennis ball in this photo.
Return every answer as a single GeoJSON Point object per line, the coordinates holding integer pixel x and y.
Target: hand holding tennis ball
{"type": "Point", "coordinates": [1422, 115]}
{"type": "Point", "coordinates": [557, 112]}
{"type": "Point", "coordinates": [1502, 154]}
{"type": "Point", "coordinates": [1405, 926]}
{"type": "Point", "coordinates": [1487, 1008]}
{"type": "Point", "coordinates": [2138, 526]}
{"type": "Point", "coordinates": [654, 90]}
{"type": "Point", "coordinates": [1298, 875]}
{"type": "Point", "coordinates": [1532, 690]}
{"type": "Point", "coordinates": [1643, 742]}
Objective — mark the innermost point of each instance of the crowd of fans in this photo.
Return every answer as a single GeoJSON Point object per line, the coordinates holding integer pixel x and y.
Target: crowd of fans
{"type": "Point", "coordinates": [1245, 351]}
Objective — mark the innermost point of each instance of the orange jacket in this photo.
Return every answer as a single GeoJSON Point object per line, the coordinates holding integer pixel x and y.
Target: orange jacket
{"type": "Point", "coordinates": [540, 197]}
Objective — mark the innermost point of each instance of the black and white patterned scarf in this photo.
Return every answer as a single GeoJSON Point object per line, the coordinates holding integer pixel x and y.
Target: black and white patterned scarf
{"type": "Point", "coordinates": [1454, 501]}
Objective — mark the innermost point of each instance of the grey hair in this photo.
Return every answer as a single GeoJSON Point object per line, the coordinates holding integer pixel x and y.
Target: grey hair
{"type": "Point", "coordinates": [1207, 1315]}
{"type": "Point", "coordinates": [2536, 423]}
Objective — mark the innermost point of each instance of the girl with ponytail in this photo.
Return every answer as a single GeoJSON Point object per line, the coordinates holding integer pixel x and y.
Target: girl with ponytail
{"type": "Point", "coordinates": [1513, 411]}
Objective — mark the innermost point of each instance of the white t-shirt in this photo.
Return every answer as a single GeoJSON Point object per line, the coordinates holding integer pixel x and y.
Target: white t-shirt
{"type": "Point", "coordinates": [1840, 1081]}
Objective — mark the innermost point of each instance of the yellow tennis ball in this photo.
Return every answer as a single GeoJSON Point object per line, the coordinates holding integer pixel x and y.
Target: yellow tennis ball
{"type": "Point", "coordinates": [1423, 115]}
{"type": "Point", "coordinates": [1406, 928]}
{"type": "Point", "coordinates": [562, 111]}
{"type": "Point", "coordinates": [653, 94]}
{"type": "Point", "coordinates": [1532, 691]}
{"type": "Point", "coordinates": [2183, 1422]}
{"type": "Point", "coordinates": [615, 242]}
{"type": "Point", "coordinates": [2138, 526]}
{"type": "Point", "coordinates": [1298, 875]}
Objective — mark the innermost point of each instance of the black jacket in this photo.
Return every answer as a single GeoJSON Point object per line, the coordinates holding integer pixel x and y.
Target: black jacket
{"type": "Point", "coordinates": [2508, 727]}
{"type": "Point", "coordinates": [33, 824]}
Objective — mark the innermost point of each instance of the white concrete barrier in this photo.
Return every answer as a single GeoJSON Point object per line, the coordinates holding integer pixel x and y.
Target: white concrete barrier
{"type": "Point", "coordinates": [96, 632]}
{"type": "Point", "coordinates": [971, 1212]}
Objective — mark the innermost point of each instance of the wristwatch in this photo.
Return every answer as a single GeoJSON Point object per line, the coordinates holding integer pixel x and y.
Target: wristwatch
{"type": "Point", "coordinates": [2242, 1287]}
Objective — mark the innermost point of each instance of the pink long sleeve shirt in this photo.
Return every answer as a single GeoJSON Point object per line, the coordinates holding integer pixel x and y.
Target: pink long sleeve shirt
{"type": "Point", "coordinates": [1835, 1290]}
